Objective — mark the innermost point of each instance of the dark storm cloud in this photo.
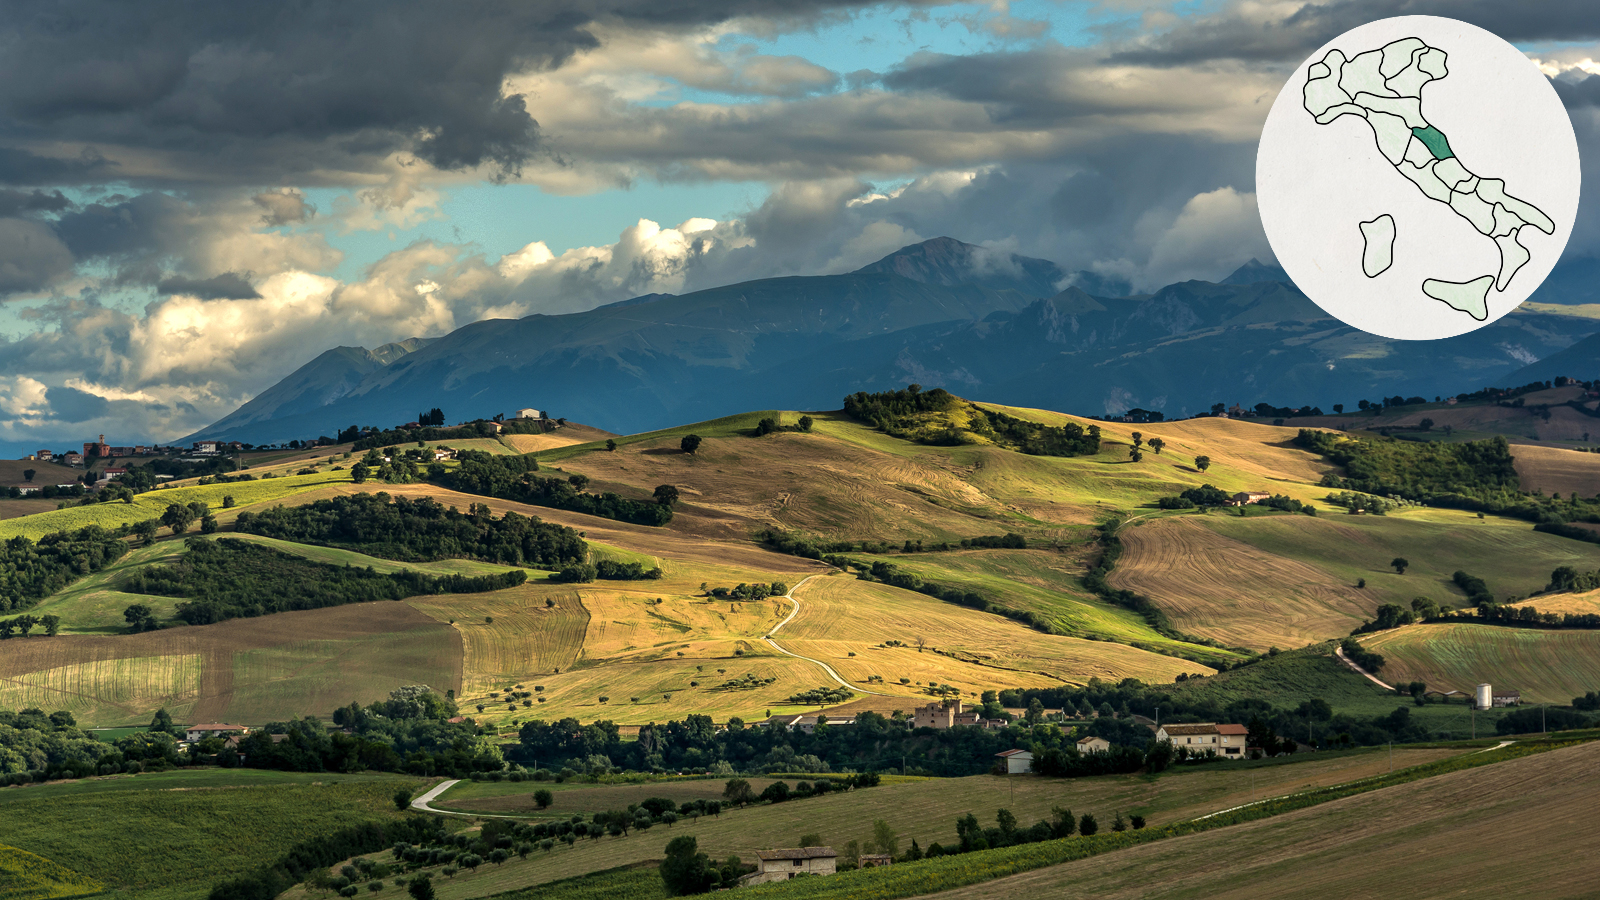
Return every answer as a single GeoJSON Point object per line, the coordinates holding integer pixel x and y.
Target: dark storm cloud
{"type": "Point", "coordinates": [121, 226]}
{"type": "Point", "coordinates": [31, 257]}
{"type": "Point", "coordinates": [275, 88]}
{"type": "Point", "coordinates": [1237, 36]}
{"type": "Point", "coordinates": [227, 286]}
{"type": "Point", "coordinates": [72, 405]}
{"type": "Point", "coordinates": [15, 202]}
{"type": "Point", "coordinates": [1578, 94]}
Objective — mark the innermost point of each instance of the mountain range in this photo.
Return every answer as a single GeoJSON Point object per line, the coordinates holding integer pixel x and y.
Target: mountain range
{"type": "Point", "coordinates": [987, 324]}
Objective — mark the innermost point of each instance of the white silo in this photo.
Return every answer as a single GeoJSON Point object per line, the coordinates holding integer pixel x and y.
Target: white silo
{"type": "Point", "coordinates": [1484, 697]}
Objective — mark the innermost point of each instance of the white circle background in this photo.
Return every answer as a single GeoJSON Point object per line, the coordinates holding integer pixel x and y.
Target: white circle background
{"type": "Point", "coordinates": [1315, 184]}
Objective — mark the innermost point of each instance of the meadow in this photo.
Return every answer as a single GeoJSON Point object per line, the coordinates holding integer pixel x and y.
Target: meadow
{"type": "Point", "coordinates": [171, 836]}
{"type": "Point", "coordinates": [1546, 666]}
{"type": "Point", "coordinates": [28, 876]}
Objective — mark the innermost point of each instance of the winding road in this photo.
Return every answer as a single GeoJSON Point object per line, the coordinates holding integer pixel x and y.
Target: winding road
{"type": "Point", "coordinates": [421, 803]}
{"type": "Point", "coordinates": [825, 667]}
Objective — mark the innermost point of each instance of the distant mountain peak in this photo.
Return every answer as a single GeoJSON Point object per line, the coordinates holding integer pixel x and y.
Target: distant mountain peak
{"type": "Point", "coordinates": [947, 261]}
{"type": "Point", "coordinates": [1256, 271]}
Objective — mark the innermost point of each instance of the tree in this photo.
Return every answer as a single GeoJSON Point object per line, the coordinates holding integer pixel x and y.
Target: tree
{"type": "Point", "coordinates": [737, 790]}
{"type": "Point", "coordinates": [1400, 563]}
{"type": "Point", "coordinates": [140, 617]}
{"type": "Point", "coordinates": [810, 839]}
{"type": "Point", "coordinates": [1119, 823]}
{"type": "Point", "coordinates": [208, 524]}
{"type": "Point", "coordinates": [543, 798]}
{"type": "Point", "coordinates": [1202, 463]}
{"type": "Point", "coordinates": [1338, 408]}
{"type": "Point", "coordinates": [1135, 454]}
{"type": "Point", "coordinates": [886, 839]}
{"type": "Point", "coordinates": [177, 517]}
{"type": "Point", "coordinates": [1087, 825]}
{"type": "Point", "coordinates": [805, 423]}
{"type": "Point", "coordinates": [766, 426]}
{"type": "Point", "coordinates": [1426, 424]}
{"type": "Point", "coordinates": [1138, 822]}
{"type": "Point", "coordinates": [162, 723]}
{"type": "Point", "coordinates": [1361, 583]}
{"type": "Point", "coordinates": [690, 443]}
{"type": "Point", "coordinates": [402, 799]}
{"type": "Point", "coordinates": [1156, 444]}
{"type": "Point", "coordinates": [685, 870]}
{"type": "Point", "coordinates": [420, 887]}
{"type": "Point", "coordinates": [666, 495]}
{"type": "Point", "coordinates": [358, 472]}
{"type": "Point", "coordinates": [578, 481]}
{"type": "Point", "coordinates": [1138, 438]}
{"type": "Point", "coordinates": [611, 445]}
{"type": "Point", "coordinates": [27, 474]}
{"type": "Point", "coordinates": [227, 501]}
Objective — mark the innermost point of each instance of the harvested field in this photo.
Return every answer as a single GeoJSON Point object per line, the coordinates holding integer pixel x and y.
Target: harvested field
{"type": "Point", "coordinates": [246, 670]}
{"type": "Point", "coordinates": [566, 436]}
{"type": "Point", "coordinates": [12, 509]}
{"type": "Point", "coordinates": [1403, 841]}
{"type": "Point", "coordinates": [1555, 471]}
{"type": "Point", "coordinates": [1546, 666]}
{"type": "Point", "coordinates": [1230, 591]}
{"type": "Point", "coordinates": [968, 649]}
{"type": "Point", "coordinates": [527, 636]}
{"type": "Point", "coordinates": [1560, 604]}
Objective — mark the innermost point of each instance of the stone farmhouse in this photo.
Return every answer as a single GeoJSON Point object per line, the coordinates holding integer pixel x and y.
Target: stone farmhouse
{"type": "Point", "coordinates": [1226, 741]}
{"type": "Point", "coordinates": [782, 865]}
{"type": "Point", "coordinates": [1245, 498]}
{"type": "Point", "coordinates": [949, 715]}
{"type": "Point", "coordinates": [1092, 744]}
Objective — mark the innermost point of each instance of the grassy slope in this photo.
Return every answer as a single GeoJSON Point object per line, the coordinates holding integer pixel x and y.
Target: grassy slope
{"type": "Point", "coordinates": [927, 811]}
{"type": "Point", "coordinates": [28, 876]}
{"type": "Point", "coordinates": [171, 836]}
{"type": "Point", "coordinates": [1546, 666]}
{"type": "Point", "coordinates": [1284, 580]}
{"type": "Point", "coordinates": [1402, 841]}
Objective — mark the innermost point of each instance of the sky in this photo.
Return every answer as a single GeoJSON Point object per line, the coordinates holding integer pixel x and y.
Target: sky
{"type": "Point", "coordinates": [198, 198]}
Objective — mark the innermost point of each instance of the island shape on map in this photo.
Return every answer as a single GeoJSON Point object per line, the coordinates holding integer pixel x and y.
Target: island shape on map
{"type": "Point", "coordinates": [1384, 88]}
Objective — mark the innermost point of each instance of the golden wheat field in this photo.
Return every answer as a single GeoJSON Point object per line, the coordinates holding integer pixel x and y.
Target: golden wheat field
{"type": "Point", "coordinates": [1546, 666]}
{"type": "Point", "coordinates": [1555, 471]}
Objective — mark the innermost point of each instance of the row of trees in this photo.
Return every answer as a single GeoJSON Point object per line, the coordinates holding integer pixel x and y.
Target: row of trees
{"type": "Point", "coordinates": [229, 578]}
{"type": "Point", "coordinates": [420, 530]}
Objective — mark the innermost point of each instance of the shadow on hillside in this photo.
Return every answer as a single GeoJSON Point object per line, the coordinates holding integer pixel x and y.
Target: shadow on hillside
{"type": "Point", "coordinates": [663, 451]}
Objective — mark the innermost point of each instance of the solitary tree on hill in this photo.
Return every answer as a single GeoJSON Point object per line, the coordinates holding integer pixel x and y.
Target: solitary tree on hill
{"type": "Point", "coordinates": [1202, 463]}
{"type": "Point", "coordinates": [690, 443]}
{"type": "Point", "coordinates": [806, 422]}
{"type": "Point", "coordinates": [27, 474]}
{"type": "Point", "coordinates": [611, 445]}
{"type": "Point", "coordinates": [1400, 564]}
{"type": "Point", "coordinates": [666, 495]}
{"type": "Point", "coordinates": [1156, 444]}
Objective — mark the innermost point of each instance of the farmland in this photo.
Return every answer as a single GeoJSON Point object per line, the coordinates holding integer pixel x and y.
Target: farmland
{"type": "Point", "coordinates": [1402, 841]}
{"type": "Point", "coordinates": [171, 836]}
{"type": "Point", "coordinates": [27, 876]}
{"type": "Point", "coordinates": [1553, 471]}
{"type": "Point", "coordinates": [250, 670]}
{"type": "Point", "coordinates": [925, 810]}
{"type": "Point", "coordinates": [1286, 580]}
{"type": "Point", "coordinates": [1546, 666]}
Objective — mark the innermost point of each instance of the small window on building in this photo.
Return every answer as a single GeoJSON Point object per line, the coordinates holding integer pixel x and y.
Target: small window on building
{"type": "Point", "coordinates": [797, 862]}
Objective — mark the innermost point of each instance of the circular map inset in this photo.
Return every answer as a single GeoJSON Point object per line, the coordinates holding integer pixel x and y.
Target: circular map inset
{"type": "Point", "coordinates": [1418, 177]}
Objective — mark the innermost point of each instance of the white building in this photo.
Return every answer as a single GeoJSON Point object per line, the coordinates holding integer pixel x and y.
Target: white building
{"type": "Point", "coordinates": [1018, 762]}
{"type": "Point", "coordinates": [529, 414]}
{"type": "Point", "coordinates": [1226, 741]}
{"type": "Point", "coordinates": [1092, 744]}
{"type": "Point", "coordinates": [215, 729]}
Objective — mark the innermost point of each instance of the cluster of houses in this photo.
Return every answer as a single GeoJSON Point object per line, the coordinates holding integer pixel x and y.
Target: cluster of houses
{"type": "Point", "coordinates": [935, 715]}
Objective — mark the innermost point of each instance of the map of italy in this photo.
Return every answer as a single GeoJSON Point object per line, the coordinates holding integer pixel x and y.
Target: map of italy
{"type": "Point", "coordinates": [1384, 87]}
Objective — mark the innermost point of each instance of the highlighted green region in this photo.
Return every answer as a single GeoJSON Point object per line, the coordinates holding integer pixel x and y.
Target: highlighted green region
{"type": "Point", "coordinates": [1435, 141]}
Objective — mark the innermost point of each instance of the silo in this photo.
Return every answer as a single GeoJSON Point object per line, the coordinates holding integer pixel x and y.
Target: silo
{"type": "Point", "coordinates": [1484, 697]}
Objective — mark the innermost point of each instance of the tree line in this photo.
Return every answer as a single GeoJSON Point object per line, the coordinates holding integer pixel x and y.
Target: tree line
{"type": "Point", "coordinates": [513, 478]}
{"type": "Point", "coordinates": [30, 572]}
{"type": "Point", "coordinates": [420, 530]}
{"type": "Point", "coordinates": [230, 578]}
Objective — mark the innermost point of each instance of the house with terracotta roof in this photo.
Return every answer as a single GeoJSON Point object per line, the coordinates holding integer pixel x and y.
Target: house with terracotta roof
{"type": "Point", "coordinates": [782, 865]}
{"type": "Point", "coordinates": [1225, 740]}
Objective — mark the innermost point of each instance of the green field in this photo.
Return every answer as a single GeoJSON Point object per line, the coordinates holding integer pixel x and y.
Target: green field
{"type": "Point", "coordinates": [1545, 666]}
{"type": "Point", "coordinates": [151, 504]}
{"type": "Point", "coordinates": [27, 876]}
{"type": "Point", "coordinates": [171, 836]}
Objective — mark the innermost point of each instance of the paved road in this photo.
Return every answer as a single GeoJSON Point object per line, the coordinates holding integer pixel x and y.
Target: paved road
{"type": "Point", "coordinates": [421, 803]}
{"type": "Point", "coordinates": [825, 667]}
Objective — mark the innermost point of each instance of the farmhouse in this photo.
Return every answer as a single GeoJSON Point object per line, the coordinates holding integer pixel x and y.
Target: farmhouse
{"type": "Point", "coordinates": [874, 860]}
{"type": "Point", "coordinates": [45, 455]}
{"type": "Point", "coordinates": [214, 729]}
{"type": "Point", "coordinates": [782, 865]}
{"type": "Point", "coordinates": [1227, 741]}
{"type": "Point", "coordinates": [1245, 498]}
{"type": "Point", "coordinates": [1092, 744]}
{"type": "Point", "coordinates": [1017, 762]}
{"type": "Point", "coordinates": [205, 446]}
{"type": "Point", "coordinates": [529, 414]}
{"type": "Point", "coordinates": [73, 458]}
{"type": "Point", "coordinates": [1507, 698]}
{"type": "Point", "coordinates": [949, 715]}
